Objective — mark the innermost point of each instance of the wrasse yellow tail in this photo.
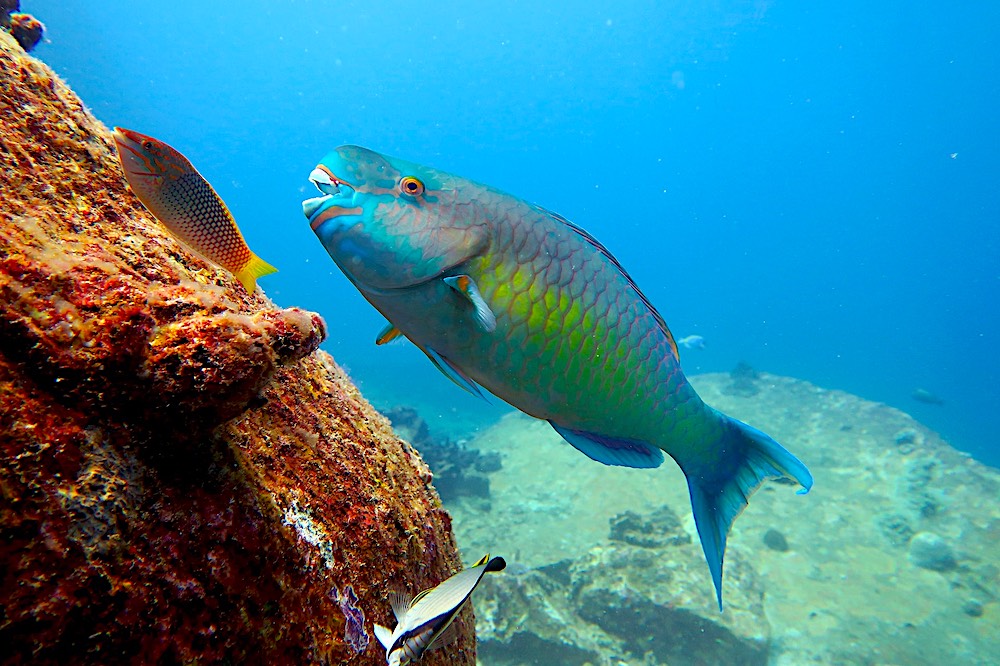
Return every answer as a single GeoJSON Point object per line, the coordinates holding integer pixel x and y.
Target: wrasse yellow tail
{"type": "Point", "coordinates": [256, 268]}
{"type": "Point", "coordinates": [185, 203]}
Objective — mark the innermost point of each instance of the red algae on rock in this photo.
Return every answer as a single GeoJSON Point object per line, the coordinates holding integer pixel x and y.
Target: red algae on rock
{"type": "Point", "coordinates": [183, 476]}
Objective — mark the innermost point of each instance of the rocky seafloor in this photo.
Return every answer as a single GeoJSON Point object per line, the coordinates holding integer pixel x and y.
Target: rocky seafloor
{"type": "Point", "coordinates": [892, 559]}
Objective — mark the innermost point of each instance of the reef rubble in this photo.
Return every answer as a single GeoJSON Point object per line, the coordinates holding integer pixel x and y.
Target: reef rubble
{"type": "Point", "coordinates": [184, 476]}
{"type": "Point", "coordinates": [892, 558]}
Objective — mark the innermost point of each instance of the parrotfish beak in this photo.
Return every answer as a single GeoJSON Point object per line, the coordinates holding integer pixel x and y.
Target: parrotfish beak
{"type": "Point", "coordinates": [337, 199]}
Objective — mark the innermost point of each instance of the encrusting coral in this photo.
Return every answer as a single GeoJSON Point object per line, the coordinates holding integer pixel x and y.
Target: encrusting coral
{"type": "Point", "coordinates": [183, 476]}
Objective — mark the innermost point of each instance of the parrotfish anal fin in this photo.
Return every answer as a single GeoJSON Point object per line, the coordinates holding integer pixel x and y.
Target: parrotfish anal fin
{"type": "Point", "coordinates": [384, 635]}
{"type": "Point", "coordinates": [401, 604]}
{"type": "Point", "coordinates": [466, 286]}
{"type": "Point", "coordinates": [610, 451]}
{"type": "Point", "coordinates": [610, 257]}
{"type": "Point", "coordinates": [453, 373]}
{"type": "Point", "coordinates": [717, 499]}
{"type": "Point", "coordinates": [388, 334]}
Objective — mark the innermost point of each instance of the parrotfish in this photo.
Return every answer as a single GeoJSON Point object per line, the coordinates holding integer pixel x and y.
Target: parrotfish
{"type": "Point", "coordinates": [506, 295]}
{"type": "Point", "coordinates": [425, 622]}
{"type": "Point", "coordinates": [186, 204]}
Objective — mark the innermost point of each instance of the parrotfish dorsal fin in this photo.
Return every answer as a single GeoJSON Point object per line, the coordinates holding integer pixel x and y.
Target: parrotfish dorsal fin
{"type": "Point", "coordinates": [466, 286]}
{"type": "Point", "coordinates": [614, 262]}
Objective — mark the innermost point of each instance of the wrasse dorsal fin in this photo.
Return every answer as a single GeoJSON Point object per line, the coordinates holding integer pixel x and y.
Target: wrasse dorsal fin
{"type": "Point", "coordinates": [401, 604]}
{"type": "Point", "coordinates": [614, 262]}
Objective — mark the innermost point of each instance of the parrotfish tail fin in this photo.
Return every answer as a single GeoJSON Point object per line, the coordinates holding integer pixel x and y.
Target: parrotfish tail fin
{"type": "Point", "coordinates": [721, 493]}
{"type": "Point", "coordinates": [254, 269]}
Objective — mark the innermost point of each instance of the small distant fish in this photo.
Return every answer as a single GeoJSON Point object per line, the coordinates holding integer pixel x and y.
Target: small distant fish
{"type": "Point", "coordinates": [925, 396]}
{"type": "Point", "coordinates": [180, 197]}
{"type": "Point", "coordinates": [692, 342]}
{"type": "Point", "coordinates": [425, 622]}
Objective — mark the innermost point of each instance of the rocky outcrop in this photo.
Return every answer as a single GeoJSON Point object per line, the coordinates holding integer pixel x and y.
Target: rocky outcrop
{"type": "Point", "coordinates": [183, 476]}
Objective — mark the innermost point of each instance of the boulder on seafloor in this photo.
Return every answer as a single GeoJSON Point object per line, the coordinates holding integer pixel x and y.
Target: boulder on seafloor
{"type": "Point", "coordinates": [634, 600]}
{"type": "Point", "coordinates": [183, 477]}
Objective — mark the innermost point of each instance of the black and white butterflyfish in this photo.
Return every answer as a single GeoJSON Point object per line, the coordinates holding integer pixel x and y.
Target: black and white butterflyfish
{"type": "Point", "coordinates": [425, 622]}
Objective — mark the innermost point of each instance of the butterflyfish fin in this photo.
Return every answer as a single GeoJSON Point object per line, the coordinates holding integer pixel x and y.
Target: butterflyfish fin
{"type": "Point", "coordinates": [445, 637]}
{"type": "Point", "coordinates": [387, 334]}
{"type": "Point", "coordinates": [384, 635]}
{"type": "Point", "coordinates": [453, 373]}
{"type": "Point", "coordinates": [420, 595]}
{"type": "Point", "coordinates": [612, 451]}
{"type": "Point", "coordinates": [482, 560]}
{"type": "Point", "coordinates": [401, 604]}
{"type": "Point", "coordinates": [717, 498]}
{"type": "Point", "coordinates": [466, 286]}
{"type": "Point", "coordinates": [496, 564]}
{"type": "Point", "coordinates": [254, 269]}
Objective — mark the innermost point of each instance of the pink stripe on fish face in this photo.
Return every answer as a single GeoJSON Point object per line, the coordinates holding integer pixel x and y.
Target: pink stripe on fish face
{"type": "Point", "coordinates": [331, 213]}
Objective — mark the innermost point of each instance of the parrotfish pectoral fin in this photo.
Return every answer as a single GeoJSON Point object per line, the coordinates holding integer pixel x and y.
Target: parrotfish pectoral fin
{"type": "Point", "coordinates": [610, 451]}
{"type": "Point", "coordinates": [453, 373]}
{"type": "Point", "coordinates": [384, 635]}
{"type": "Point", "coordinates": [387, 334]}
{"type": "Point", "coordinates": [254, 269]}
{"type": "Point", "coordinates": [717, 498]}
{"type": "Point", "coordinates": [466, 286]}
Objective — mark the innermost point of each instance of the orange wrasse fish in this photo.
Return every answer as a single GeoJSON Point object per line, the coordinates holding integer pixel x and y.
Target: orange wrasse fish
{"type": "Point", "coordinates": [506, 295]}
{"type": "Point", "coordinates": [425, 622]}
{"type": "Point", "coordinates": [178, 196]}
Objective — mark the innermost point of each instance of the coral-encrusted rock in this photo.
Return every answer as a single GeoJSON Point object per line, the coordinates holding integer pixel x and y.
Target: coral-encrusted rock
{"type": "Point", "coordinates": [183, 477]}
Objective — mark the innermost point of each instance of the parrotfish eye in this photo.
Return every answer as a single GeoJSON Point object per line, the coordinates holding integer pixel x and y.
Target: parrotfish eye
{"type": "Point", "coordinates": [412, 186]}
{"type": "Point", "coordinates": [148, 145]}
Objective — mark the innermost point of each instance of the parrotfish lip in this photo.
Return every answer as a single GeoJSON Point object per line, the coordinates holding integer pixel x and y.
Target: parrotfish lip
{"type": "Point", "coordinates": [311, 206]}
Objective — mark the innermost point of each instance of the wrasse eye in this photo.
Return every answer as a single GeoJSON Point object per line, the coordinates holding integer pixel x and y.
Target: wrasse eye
{"type": "Point", "coordinates": [412, 186]}
{"type": "Point", "coordinates": [148, 145]}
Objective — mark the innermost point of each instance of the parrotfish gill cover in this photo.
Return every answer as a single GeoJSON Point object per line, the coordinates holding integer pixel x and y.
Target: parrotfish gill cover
{"type": "Point", "coordinates": [506, 295]}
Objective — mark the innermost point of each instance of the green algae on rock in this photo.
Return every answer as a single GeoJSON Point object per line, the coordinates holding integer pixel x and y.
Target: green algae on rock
{"type": "Point", "coordinates": [183, 476]}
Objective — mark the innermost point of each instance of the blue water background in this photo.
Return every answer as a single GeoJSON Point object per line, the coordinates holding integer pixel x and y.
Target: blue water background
{"type": "Point", "coordinates": [813, 187]}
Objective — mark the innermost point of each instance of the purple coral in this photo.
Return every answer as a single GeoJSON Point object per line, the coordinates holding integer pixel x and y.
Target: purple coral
{"type": "Point", "coordinates": [354, 625]}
